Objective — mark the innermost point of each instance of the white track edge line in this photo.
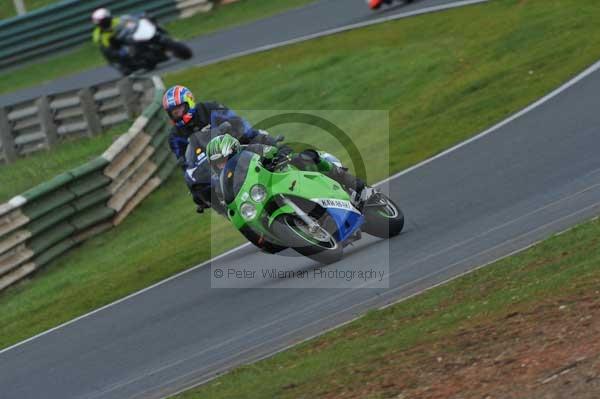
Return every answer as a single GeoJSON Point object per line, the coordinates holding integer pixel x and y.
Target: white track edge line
{"type": "Point", "coordinates": [226, 370]}
{"type": "Point", "coordinates": [127, 297]}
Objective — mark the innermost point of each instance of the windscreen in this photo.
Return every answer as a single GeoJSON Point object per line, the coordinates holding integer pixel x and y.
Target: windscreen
{"type": "Point", "coordinates": [234, 175]}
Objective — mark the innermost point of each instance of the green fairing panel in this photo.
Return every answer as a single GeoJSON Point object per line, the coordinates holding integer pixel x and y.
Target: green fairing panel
{"type": "Point", "coordinates": [292, 182]}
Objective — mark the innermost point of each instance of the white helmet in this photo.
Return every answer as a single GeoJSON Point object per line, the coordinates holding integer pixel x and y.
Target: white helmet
{"type": "Point", "coordinates": [102, 18]}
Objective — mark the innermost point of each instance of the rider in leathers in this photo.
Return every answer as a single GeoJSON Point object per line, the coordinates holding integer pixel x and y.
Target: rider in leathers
{"type": "Point", "coordinates": [198, 122]}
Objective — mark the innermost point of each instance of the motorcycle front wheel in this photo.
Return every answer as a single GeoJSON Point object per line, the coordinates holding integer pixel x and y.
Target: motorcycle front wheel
{"type": "Point", "coordinates": [179, 50]}
{"type": "Point", "coordinates": [317, 242]}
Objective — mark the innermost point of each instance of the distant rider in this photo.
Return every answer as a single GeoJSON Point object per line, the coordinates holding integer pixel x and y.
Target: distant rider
{"type": "Point", "coordinates": [188, 118]}
{"type": "Point", "coordinates": [220, 149]}
{"type": "Point", "coordinates": [104, 37]}
{"type": "Point", "coordinates": [375, 4]}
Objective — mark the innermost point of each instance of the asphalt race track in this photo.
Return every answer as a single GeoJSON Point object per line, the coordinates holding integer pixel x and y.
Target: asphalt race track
{"type": "Point", "coordinates": [313, 18]}
{"type": "Point", "coordinates": [534, 175]}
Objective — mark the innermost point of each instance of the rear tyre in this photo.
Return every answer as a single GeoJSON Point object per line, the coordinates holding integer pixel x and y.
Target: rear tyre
{"type": "Point", "coordinates": [383, 218]}
{"type": "Point", "coordinates": [320, 244]}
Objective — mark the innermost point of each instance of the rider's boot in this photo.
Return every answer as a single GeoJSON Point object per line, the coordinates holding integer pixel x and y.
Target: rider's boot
{"type": "Point", "coordinates": [358, 189]}
{"type": "Point", "coordinates": [200, 197]}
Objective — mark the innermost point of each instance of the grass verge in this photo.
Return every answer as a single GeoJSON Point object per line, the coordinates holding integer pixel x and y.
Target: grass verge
{"type": "Point", "coordinates": [507, 331]}
{"type": "Point", "coordinates": [8, 10]}
{"type": "Point", "coordinates": [38, 167]}
{"type": "Point", "coordinates": [443, 77]}
{"type": "Point", "coordinates": [88, 56]}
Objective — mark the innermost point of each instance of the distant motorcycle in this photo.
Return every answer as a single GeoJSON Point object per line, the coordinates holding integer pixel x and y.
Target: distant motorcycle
{"type": "Point", "coordinates": [146, 44]}
{"type": "Point", "coordinates": [376, 4]}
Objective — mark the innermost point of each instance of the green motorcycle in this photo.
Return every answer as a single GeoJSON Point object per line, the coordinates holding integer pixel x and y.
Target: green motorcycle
{"type": "Point", "coordinates": [281, 206]}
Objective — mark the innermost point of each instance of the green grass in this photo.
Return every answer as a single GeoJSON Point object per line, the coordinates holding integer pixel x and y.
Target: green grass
{"type": "Point", "coordinates": [88, 55]}
{"type": "Point", "coordinates": [442, 78]}
{"type": "Point", "coordinates": [353, 358]}
{"type": "Point", "coordinates": [7, 7]}
{"type": "Point", "coordinates": [38, 167]}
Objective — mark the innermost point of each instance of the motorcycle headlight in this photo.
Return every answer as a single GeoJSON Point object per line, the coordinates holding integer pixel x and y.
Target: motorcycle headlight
{"type": "Point", "coordinates": [258, 193]}
{"type": "Point", "coordinates": [248, 211]}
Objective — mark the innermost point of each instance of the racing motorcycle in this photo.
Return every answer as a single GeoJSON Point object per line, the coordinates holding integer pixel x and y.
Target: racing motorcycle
{"type": "Point", "coordinates": [147, 44]}
{"type": "Point", "coordinates": [376, 4]}
{"type": "Point", "coordinates": [280, 206]}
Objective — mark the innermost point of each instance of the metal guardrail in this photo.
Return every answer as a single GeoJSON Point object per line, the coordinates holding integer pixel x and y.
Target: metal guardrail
{"type": "Point", "coordinates": [46, 221]}
{"type": "Point", "coordinates": [67, 24]}
{"type": "Point", "coordinates": [37, 125]}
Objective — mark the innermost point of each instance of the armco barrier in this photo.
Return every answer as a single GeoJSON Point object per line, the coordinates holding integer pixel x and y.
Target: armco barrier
{"type": "Point", "coordinates": [67, 24]}
{"type": "Point", "coordinates": [37, 125]}
{"type": "Point", "coordinates": [44, 222]}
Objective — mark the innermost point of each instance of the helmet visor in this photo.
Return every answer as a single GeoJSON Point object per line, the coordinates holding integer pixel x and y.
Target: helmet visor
{"type": "Point", "coordinates": [105, 23]}
{"type": "Point", "coordinates": [218, 162]}
{"type": "Point", "coordinates": [176, 113]}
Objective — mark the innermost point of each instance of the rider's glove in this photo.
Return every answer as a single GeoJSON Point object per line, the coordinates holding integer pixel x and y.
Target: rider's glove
{"type": "Point", "coordinates": [284, 151]}
{"type": "Point", "coordinates": [282, 157]}
{"type": "Point", "coordinates": [206, 129]}
{"type": "Point", "coordinates": [265, 138]}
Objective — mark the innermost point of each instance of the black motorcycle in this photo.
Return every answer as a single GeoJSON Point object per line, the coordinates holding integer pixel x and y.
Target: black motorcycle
{"type": "Point", "coordinates": [146, 45]}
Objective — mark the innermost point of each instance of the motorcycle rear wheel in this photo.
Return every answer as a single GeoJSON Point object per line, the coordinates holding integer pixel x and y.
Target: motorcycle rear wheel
{"type": "Point", "coordinates": [383, 218]}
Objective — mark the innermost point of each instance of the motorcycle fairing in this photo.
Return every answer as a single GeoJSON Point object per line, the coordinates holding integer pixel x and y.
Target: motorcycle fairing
{"type": "Point", "coordinates": [145, 31]}
{"type": "Point", "coordinates": [347, 222]}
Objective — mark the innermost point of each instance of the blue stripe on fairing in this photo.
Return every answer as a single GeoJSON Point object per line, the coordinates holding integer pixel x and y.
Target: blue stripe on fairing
{"type": "Point", "coordinates": [347, 222]}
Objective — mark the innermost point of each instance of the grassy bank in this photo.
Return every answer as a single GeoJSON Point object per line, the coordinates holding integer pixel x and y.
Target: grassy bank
{"type": "Point", "coordinates": [7, 7]}
{"type": "Point", "coordinates": [442, 78]}
{"type": "Point", "coordinates": [505, 331]}
{"type": "Point", "coordinates": [88, 55]}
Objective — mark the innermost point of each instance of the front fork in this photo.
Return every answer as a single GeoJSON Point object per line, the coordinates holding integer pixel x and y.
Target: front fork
{"type": "Point", "coordinates": [310, 222]}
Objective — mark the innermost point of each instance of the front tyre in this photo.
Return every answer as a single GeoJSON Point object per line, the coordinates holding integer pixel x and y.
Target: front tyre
{"type": "Point", "coordinates": [383, 218]}
{"type": "Point", "coordinates": [318, 243]}
{"type": "Point", "coordinates": [180, 50]}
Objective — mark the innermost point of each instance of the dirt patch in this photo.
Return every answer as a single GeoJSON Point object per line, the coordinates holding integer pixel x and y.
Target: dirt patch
{"type": "Point", "coordinates": [549, 351]}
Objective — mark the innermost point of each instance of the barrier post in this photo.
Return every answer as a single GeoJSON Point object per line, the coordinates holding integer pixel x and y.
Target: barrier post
{"type": "Point", "coordinates": [47, 121]}
{"type": "Point", "coordinates": [20, 7]}
{"type": "Point", "coordinates": [128, 96]}
{"type": "Point", "coordinates": [90, 111]}
{"type": "Point", "coordinates": [8, 142]}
